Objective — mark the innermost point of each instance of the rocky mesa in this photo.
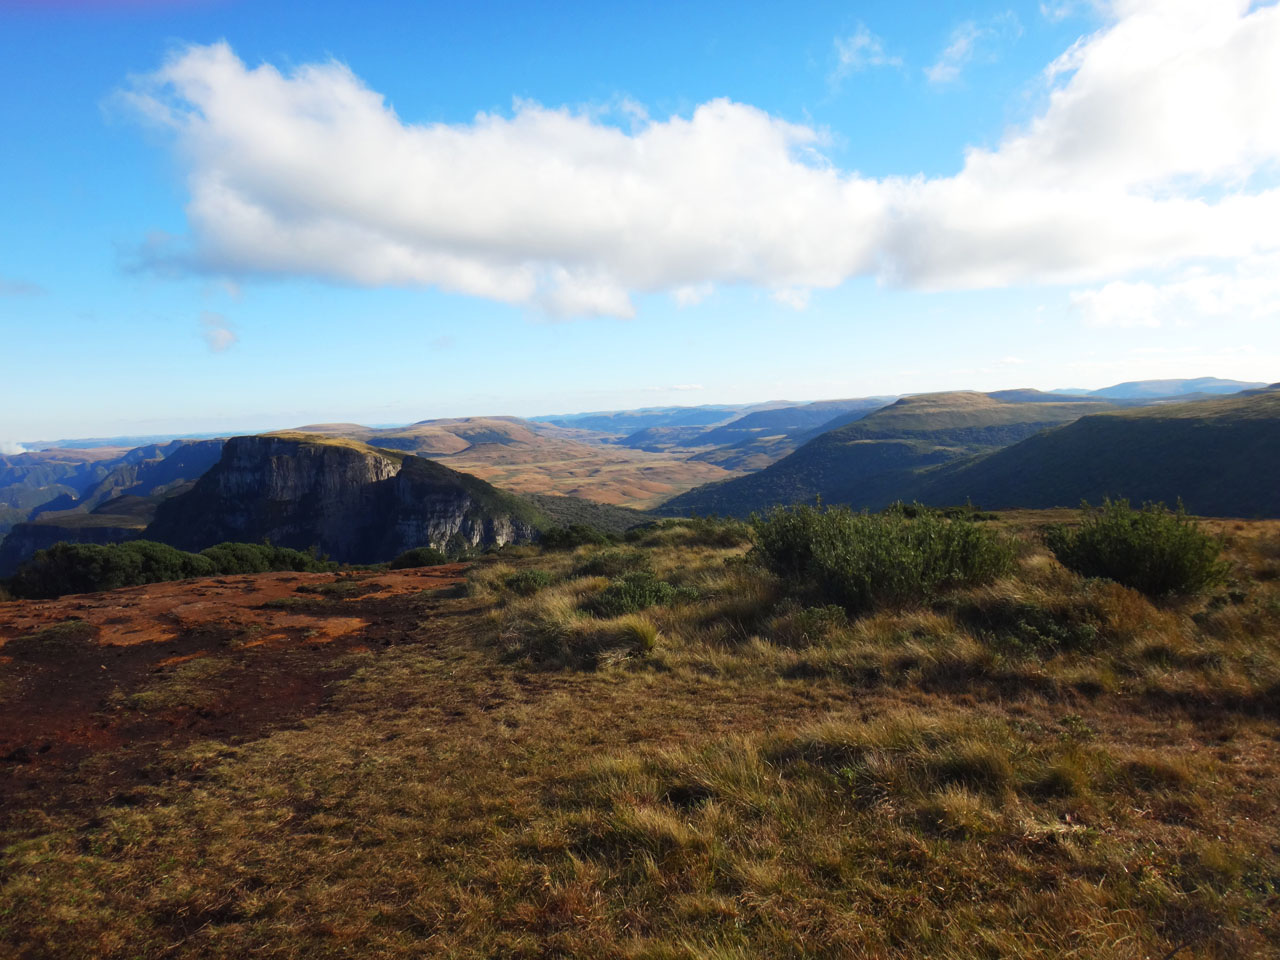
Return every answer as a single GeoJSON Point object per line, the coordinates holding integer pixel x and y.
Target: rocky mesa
{"type": "Point", "coordinates": [351, 501]}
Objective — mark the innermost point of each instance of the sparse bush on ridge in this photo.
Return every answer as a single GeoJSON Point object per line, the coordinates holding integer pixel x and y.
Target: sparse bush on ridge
{"type": "Point", "coordinates": [1159, 551]}
{"type": "Point", "coordinates": [860, 560]}
{"type": "Point", "coordinates": [418, 557]}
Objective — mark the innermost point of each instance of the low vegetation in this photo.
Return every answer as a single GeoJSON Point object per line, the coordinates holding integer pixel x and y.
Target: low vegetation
{"type": "Point", "coordinates": [418, 557]}
{"type": "Point", "coordinates": [825, 734]}
{"type": "Point", "coordinates": [87, 568]}
{"type": "Point", "coordinates": [1159, 551]}
{"type": "Point", "coordinates": [861, 560]}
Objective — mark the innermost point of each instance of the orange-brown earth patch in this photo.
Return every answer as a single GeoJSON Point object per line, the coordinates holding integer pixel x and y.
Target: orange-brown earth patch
{"type": "Point", "coordinates": [104, 678]}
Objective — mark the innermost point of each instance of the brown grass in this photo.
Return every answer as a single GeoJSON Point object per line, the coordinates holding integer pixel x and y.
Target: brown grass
{"type": "Point", "coordinates": [1043, 767]}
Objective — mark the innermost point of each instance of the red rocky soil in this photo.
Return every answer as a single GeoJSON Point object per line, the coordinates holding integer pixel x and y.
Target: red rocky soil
{"type": "Point", "coordinates": [91, 685]}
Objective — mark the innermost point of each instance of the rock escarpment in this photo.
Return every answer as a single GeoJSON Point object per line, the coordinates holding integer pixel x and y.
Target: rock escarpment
{"type": "Point", "coordinates": [353, 502]}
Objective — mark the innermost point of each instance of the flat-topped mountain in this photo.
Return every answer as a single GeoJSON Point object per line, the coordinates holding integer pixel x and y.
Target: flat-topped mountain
{"type": "Point", "coordinates": [349, 500]}
{"type": "Point", "coordinates": [1221, 457]}
{"type": "Point", "coordinates": [867, 463]}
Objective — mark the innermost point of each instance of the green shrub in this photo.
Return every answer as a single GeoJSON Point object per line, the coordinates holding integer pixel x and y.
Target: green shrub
{"type": "Point", "coordinates": [1158, 551]}
{"type": "Point", "coordinates": [634, 592]}
{"type": "Point", "coordinates": [860, 560]}
{"type": "Point", "coordinates": [574, 535]}
{"type": "Point", "coordinates": [528, 582]}
{"type": "Point", "coordinates": [612, 563]}
{"type": "Point", "coordinates": [89, 567]}
{"type": "Point", "coordinates": [236, 558]}
{"type": "Point", "coordinates": [419, 557]}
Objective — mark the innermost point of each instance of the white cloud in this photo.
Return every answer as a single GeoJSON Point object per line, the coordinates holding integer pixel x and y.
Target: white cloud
{"type": "Point", "coordinates": [1154, 149]}
{"type": "Point", "coordinates": [969, 41]}
{"type": "Point", "coordinates": [1056, 11]}
{"type": "Point", "coordinates": [8, 448]}
{"type": "Point", "coordinates": [859, 51]}
{"type": "Point", "coordinates": [797, 298]}
{"type": "Point", "coordinates": [1250, 291]}
{"type": "Point", "coordinates": [692, 295]}
{"type": "Point", "coordinates": [217, 332]}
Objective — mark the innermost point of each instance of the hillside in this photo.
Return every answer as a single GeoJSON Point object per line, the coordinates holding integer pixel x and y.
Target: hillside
{"type": "Point", "coordinates": [529, 457]}
{"type": "Point", "coordinates": [1220, 456]}
{"type": "Point", "coordinates": [30, 480]}
{"type": "Point", "coordinates": [869, 462]}
{"type": "Point", "coordinates": [35, 485]}
{"type": "Point", "coordinates": [755, 440]}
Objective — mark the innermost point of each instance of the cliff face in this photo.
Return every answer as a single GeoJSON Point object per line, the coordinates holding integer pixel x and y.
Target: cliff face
{"type": "Point", "coordinates": [353, 502]}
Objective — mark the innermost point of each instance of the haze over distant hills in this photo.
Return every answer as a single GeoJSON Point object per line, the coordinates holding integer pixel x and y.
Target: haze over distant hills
{"type": "Point", "coordinates": [1154, 389]}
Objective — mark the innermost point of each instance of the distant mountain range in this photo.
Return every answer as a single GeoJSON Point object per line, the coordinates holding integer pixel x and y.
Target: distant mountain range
{"type": "Point", "coordinates": [868, 462]}
{"type": "Point", "coordinates": [1221, 457]}
{"type": "Point", "coordinates": [1157, 389]}
{"type": "Point", "coordinates": [1211, 442]}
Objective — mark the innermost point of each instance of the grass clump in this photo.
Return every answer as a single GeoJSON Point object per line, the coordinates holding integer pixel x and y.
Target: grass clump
{"type": "Point", "coordinates": [526, 583]}
{"type": "Point", "coordinates": [634, 592]}
{"type": "Point", "coordinates": [1158, 551]}
{"type": "Point", "coordinates": [418, 557]}
{"type": "Point", "coordinates": [860, 560]}
{"type": "Point", "coordinates": [612, 563]}
{"type": "Point", "coordinates": [716, 532]}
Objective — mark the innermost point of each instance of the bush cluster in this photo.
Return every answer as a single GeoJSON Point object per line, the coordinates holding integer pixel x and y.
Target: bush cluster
{"type": "Point", "coordinates": [90, 567]}
{"type": "Point", "coordinates": [612, 563]}
{"type": "Point", "coordinates": [861, 560]}
{"type": "Point", "coordinates": [574, 535]}
{"type": "Point", "coordinates": [1158, 551]}
{"type": "Point", "coordinates": [634, 592]}
{"type": "Point", "coordinates": [528, 582]}
{"type": "Point", "coordinates": [418, 557]}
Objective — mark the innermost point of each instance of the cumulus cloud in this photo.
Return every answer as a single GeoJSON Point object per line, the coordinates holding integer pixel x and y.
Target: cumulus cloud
{"type": "Point", "coordinates": [217, 332]}
{"type": "Point", "coordinates": [8, 448]}
{"type": "Point", "coordinates": [1153, 149]}
{"type": "Point", "coordinates": [859, 51]}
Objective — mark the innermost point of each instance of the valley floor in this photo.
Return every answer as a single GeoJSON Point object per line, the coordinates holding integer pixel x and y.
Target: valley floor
{"type": "Point", "coordinates": [408, 764]}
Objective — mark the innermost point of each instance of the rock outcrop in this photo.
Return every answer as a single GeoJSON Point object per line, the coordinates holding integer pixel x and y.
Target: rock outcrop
{"type": "Point", "coordinates": [353, 502]}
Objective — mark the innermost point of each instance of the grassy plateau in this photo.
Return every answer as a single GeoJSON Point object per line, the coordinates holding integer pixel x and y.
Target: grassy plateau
{"type": "Point", "coordinates": [706, 740]}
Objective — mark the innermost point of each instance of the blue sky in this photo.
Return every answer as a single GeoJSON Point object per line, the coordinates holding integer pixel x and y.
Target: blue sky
{"type": "Point", "coordinates": [237, 216]}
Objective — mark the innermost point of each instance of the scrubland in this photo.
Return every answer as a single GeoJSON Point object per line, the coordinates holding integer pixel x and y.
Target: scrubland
{"type": "Point", "coordinates": [675, 746]}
